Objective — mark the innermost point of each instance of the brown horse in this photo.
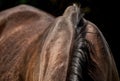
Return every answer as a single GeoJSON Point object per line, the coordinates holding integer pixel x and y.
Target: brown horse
{"type": "Point", "coordinates": [35, 46]}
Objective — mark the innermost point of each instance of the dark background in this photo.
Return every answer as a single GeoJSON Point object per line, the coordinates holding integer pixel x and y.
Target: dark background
{"type": "Point", "coordinates": [103, 13]}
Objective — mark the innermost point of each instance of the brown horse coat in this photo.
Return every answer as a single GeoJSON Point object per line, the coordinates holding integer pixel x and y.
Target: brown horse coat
{"type": "Point", "coordinates": [35, 46]}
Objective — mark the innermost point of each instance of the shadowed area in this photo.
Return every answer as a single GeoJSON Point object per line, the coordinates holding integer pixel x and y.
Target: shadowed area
{"type": "Point", "coordinates": [36, 46]}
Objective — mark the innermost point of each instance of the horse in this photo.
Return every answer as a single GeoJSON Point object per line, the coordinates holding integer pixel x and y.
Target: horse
{"type": "Point", "coordinates": [36, 46]}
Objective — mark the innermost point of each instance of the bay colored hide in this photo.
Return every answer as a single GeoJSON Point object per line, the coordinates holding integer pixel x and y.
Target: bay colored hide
{"type": "Point", "coordinates": [36, 46]}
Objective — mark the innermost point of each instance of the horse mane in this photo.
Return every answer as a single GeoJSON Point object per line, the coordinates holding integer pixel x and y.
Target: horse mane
{"type": "Point", "coordinates": [35, 46]}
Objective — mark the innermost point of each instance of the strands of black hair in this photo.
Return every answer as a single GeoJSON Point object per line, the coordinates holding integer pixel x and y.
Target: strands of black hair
{"type": "Point", "coordinates": [78, 62]}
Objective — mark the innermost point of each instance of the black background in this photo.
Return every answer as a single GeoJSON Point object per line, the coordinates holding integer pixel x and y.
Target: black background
{"type": "Point", "coordinates": [103, 13]}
